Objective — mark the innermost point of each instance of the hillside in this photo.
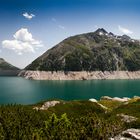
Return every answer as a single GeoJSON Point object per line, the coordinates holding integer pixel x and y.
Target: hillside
{"type": "Point", "coordinates": [95, 51]}
{"type": "Point", "coordinates": [6, 69]}
{"type": "Point", "coordinates": [6, 66]}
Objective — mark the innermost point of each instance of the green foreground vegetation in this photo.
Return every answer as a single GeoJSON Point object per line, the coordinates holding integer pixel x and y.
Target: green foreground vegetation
{"type": "Point", "coordinates": [72, 120]}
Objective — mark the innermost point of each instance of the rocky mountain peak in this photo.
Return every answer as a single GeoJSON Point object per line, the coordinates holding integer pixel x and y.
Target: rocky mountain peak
{"type": "Point", "coordinates": [111, 34]}
{"type": "Point", "coordinates": [101, 31]}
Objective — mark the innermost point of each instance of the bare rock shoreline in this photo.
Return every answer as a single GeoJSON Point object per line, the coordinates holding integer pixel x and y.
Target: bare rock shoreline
{"type": "Point", "coordinates": [82, 75]}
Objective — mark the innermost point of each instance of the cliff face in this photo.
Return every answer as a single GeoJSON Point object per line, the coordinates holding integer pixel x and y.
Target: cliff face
{"type": "Point", "coordinates": [95, 51]}
{"type": "Point", "coordinates": [43, 75]}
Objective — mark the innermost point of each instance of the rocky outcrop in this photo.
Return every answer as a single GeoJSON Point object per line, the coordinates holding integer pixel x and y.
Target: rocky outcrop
{"type": "Point", "coordinates": [93, 100]}
{"type": "Point", "coordinates": [127, 118]}
{"type": "Point", "coordinates": [130, 134]}
{"type": "Point", "coordinates": [124, 99]}
{"type": "Point", "coordinates": [46, 105]}
{"type": "Point", "coordinates": [82, 75]}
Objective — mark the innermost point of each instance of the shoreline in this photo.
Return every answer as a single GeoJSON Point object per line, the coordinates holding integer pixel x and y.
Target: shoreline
{"type": "Point", "coordinates": [79, 75]}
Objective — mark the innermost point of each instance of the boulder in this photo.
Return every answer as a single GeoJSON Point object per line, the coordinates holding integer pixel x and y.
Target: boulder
{"type": "Point", "coordinates": [93, 100]}
{"type": "Point", "coordinates": [124, 99]}
{"type": "Point", "coordinates": [106, 98]}
{"type": "Point", "coordinates": [129, 134]}
{"type": "Point", "coordinates": [46, 105]}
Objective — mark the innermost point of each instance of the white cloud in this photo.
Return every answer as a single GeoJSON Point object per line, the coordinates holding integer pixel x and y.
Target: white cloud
{"type": "Point", "coordinates": [61, 27]}
{"type": "Point", "coordinates": [28, 16]}
{"type": "Point", "coordinates": [124, 30]}
{"type": "Point", "coordinates": [23, 42]}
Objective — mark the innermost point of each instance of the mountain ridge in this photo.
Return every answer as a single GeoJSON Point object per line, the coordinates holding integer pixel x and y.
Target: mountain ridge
{"type": "Point", "coordinates": [4, 65]}
{"type": "Point", "coordinates": [7, 69]}
{"type": "Point", "coordinates": [94, 51]}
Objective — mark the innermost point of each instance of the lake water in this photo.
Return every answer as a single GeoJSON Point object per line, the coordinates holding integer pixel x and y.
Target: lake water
{"type": "Point", "coordinates": [22, 91]}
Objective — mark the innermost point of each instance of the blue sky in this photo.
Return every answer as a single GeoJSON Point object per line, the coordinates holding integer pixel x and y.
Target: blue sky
{"type": "Point", "coordinates": [30, 27]}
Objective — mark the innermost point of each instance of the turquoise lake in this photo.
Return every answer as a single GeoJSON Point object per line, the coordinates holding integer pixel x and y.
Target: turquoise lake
{"type": "Point", "coordinates": [21, 91]}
